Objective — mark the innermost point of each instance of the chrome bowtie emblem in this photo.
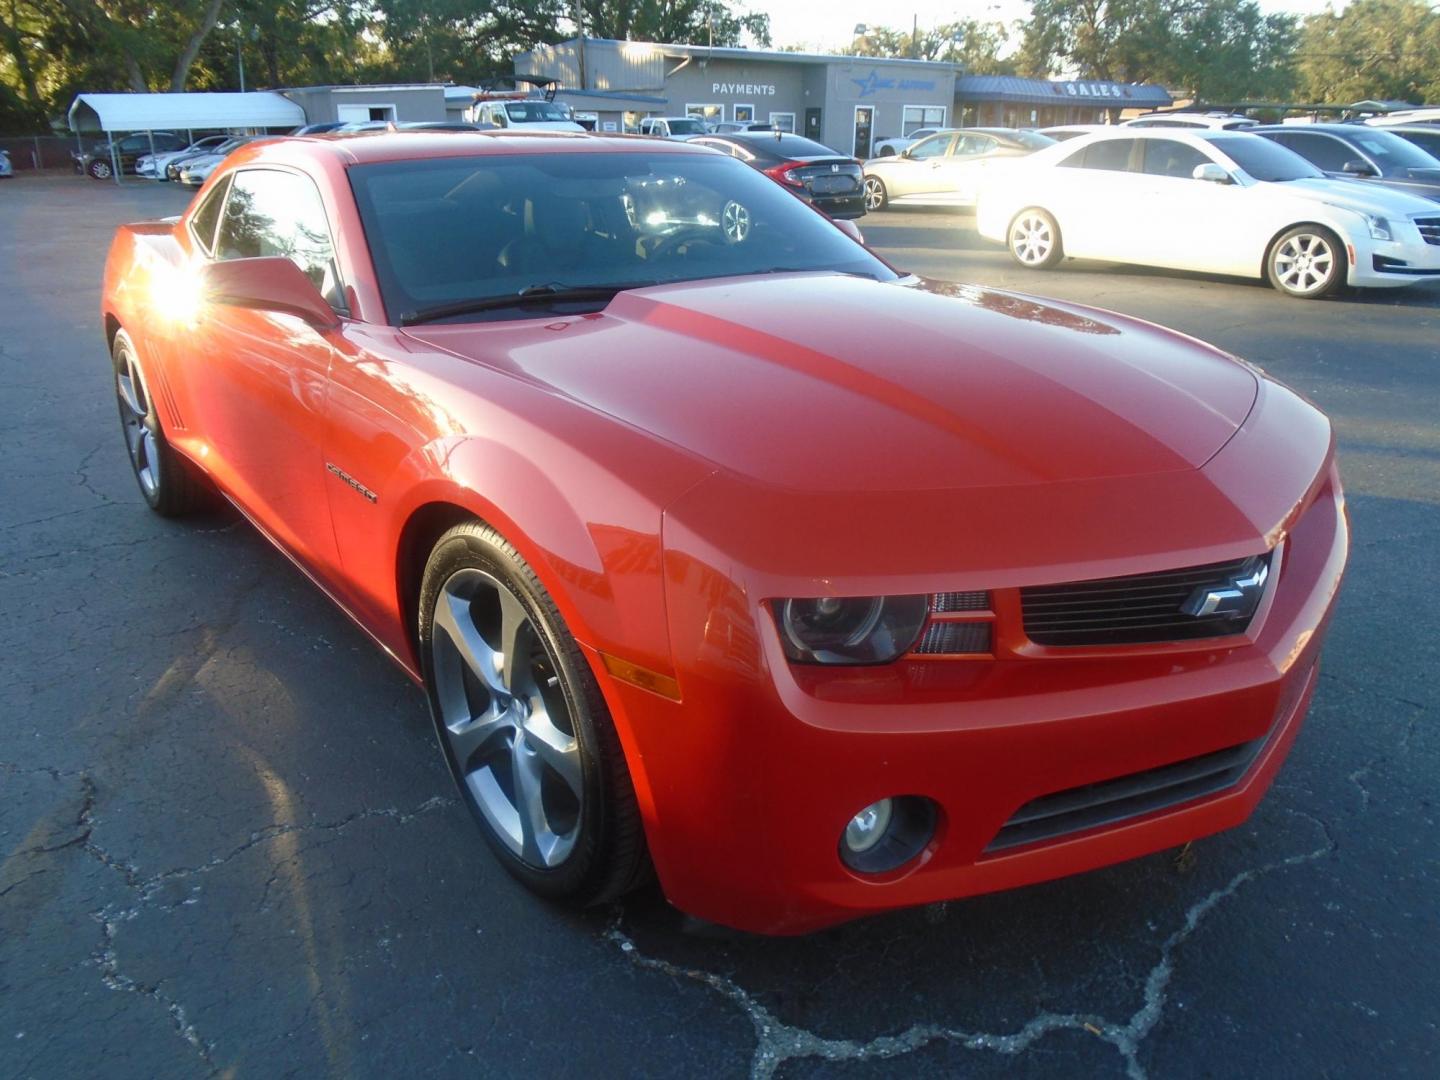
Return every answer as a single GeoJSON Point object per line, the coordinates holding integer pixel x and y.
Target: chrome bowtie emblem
{"type": "Point", "coordinates": [1236, 598]}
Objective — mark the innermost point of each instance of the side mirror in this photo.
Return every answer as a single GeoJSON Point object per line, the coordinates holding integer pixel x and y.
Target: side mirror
{"type": "Point", "coordinates": [1212, 173]}
{"type": "Point", "coordinates": [850, 229]}
{"type": "Point", "coordinates": [268, 284]}
{"type": "Point", "coordinates": [1356, 167]}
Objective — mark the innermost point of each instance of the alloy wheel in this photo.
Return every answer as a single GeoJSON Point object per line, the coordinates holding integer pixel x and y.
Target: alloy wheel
{"type": "Point", "coordinates": [100, 170]}
{"type": "Point", "coordinates": [1304, 263]}
{"type": "Point", "coordinates": [874, 194]}
{"type": "Point", "coordinates": [139, 423]}
{"type": "Point", "coordinates": [505, 718]}
{"type": "Point", "coordinates": [1032, 238]}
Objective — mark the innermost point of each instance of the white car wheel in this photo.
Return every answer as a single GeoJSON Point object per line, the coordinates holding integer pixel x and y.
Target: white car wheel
{"type": "Point", "coordinates": [1306, 262]}
{"type": "Point", "coordinates": [1034, 240]}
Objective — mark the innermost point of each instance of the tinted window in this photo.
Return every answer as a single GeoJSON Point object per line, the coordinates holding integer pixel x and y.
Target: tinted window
{"type": "Point", "coordinates": [1391, 151]}
{"type": "Point", "coordinates": [1109, 154]}
{"type": "Point", "coordinates": [202, 223]}
{"type": "Point", "coordinates": [279, 213]}
{"type": "Point", "coordinates": [790, 146]}
{"type": "Point", "coordinates": [933, 147]}
{"type": "Point", "coordinates": [1427, 141]}
{"type": "Point", "coordinates": [1324, 151]}
{"type": "Point", "coordinates": [535, 112]}
{"type": "Point", "coordinates": [1166, 157]}
{"type": "Point", "coordinates": [446, 230]}
{"type": "Point", "coordinates": [1032, 140]}
{"type": "Point", "coordinates": [687, 127]}
{"type": "Point", "coordinates": [1263, 159]}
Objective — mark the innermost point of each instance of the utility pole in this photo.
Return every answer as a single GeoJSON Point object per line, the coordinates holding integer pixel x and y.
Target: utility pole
{"type": "Point", "coordinates": [580, 41]}
{"type": "Point", "coordinates": [914, 36]}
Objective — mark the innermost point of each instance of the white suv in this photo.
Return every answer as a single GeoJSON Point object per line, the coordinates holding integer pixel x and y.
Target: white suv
{"type": "Point", "coordinates": [674, 127]}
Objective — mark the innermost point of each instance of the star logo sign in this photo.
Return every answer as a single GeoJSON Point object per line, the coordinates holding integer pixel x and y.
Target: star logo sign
{"type": "Point", "coordinates": [868, 85]}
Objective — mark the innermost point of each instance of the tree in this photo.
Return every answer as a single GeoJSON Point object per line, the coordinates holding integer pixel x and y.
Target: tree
{"type": "Point", "coordinates": [684, 22]}
{"type": "Point", "coordinates": [974, 45]}
{"type": "Point", "coordinates": [1216, 50]}
{"type": "Point", "coordinates": [1374, 49]}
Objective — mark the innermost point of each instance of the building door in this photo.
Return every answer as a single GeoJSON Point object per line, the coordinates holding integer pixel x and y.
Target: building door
{"type": "Point", "coordinates": [864, 119]}
{"type": "Point", "coordinates": [812, 124]}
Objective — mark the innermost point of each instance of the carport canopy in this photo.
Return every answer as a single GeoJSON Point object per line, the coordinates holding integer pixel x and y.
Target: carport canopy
{"type": "Point", "coordinates": [183, 112]}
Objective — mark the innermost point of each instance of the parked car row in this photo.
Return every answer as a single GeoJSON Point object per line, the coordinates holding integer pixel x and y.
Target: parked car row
{"type": "Point", "coordinates": [1218, 201]}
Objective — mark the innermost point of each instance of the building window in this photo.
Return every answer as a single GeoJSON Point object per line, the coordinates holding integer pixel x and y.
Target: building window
{"type": "Point", "coordinates": [782, 121]}
{"type": "Point", "coordinates": [743, 113]}
{"type": "Point", "coordinates": [711, 114]}
{"type": "Point", "coordinates": [922, 116]}
{"type": "Point", "coordinates": [630, 122]}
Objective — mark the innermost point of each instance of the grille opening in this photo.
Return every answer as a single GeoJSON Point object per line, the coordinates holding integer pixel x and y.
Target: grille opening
{"type": "Point", "coordinates": [944, 638]}
{"type": "Point", "coordinates": [960, 601]}
{"type": "Point", "coordinates": [1135, 609]}
{"type": "Point", "coordinates": [1111, 801]}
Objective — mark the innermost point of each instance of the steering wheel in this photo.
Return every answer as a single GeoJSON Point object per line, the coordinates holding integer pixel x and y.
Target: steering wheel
{"type": "Point", "coordinates": [666, 245]}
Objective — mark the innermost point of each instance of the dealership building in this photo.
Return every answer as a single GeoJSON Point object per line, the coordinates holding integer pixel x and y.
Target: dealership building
{"type": "Point", "coordinates": [1008, 101]}
{"type": "Point", "coordinates": [845, 102]}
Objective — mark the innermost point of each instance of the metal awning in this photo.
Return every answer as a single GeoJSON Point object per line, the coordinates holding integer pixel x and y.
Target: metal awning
{"type": "Point", "coordinates": [1011, 88]}
{"type": "Point", "coordinates": [183, 112]}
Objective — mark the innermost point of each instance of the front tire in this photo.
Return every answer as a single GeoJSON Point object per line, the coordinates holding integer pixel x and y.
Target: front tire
{"type": "Point", "coordinates": [876, 197]}
{"type": "Point", "coordinates": [1034, 240]}
{"type": "Point", "coordinates": [99, 169]}
{"type": "Point", "coordinates": [171, 485]}
{"type": "Point", "coordinates": [523, 725]}
{"type": "Point", "coordinates": [1306, 262]}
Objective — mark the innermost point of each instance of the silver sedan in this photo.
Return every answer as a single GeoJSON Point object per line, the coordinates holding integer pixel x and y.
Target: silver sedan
{"type": "Point", "coordinates": [945, 169]}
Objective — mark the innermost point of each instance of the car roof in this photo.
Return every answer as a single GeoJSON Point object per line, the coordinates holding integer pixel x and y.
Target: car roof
{"type": "Point", "coordinates": [1327, 129]}
{"type": "Point", "coordinates": [370, 147]}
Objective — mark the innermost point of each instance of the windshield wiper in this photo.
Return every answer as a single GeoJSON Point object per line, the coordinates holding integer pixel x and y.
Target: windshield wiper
{"type": "Point", "coordinates": [551, 292]}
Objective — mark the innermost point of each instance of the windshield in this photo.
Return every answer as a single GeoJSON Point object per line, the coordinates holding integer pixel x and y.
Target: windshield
{"type": "Point", "coordinates": [535, 112]}
{"type": "Point", "coordinates": [687, 127]}
{"type": "Point", "coordinates": [1391, 152]}
{"type": "Point", "coordinates": [1263, 159]}
{"type": "Point", "coordinates": [447, 230]}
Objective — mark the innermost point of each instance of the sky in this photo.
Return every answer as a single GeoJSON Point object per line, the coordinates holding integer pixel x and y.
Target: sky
{"type": "Point", "coordinates": [827, 26]}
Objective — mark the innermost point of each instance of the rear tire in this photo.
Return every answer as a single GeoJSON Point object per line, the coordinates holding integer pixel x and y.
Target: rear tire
{"type": "Point", "coordinates": [530, 745]}
{"type": "Point", "coordinates": [99, 169]}
{"type": "Point", "coordinates": [1034, 240]}
{"type": "Point", "coordinates": [1306, 262]}
{"type": "Point", "coordinates": [171, 485]}
{"type": "Point", "coordinates": [876, 197]}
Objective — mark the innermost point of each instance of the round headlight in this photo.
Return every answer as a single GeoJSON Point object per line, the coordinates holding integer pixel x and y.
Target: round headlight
{"type": "Point", "coordinates": [850, 630]}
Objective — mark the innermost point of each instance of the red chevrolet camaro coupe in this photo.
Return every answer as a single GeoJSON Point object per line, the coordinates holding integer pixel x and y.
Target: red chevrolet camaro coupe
{"type": "Point", "coordinates": [719, 546]}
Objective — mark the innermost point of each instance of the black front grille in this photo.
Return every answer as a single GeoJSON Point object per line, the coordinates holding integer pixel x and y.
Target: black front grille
{"type": "Point", "coordinates": [962, 601]}
{"type": "Point", "coordinates": [1133, 610]}
{"type": "Point", "coordinates": [1429, 229]}
{"type": "Point", "coordinates": [954, 638]}
{"type": "Point", "coordinates": [1109, 801]}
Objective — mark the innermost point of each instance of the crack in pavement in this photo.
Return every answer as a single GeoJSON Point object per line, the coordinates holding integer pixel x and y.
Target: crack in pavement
{"type": "Point", "coordinates": [779, 1042]}
{"type": "Point", "coordinates": [106, 959]}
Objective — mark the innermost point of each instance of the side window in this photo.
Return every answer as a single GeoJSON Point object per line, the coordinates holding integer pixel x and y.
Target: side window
{"type": "Point", "coordinates": [202, 222]}
{"type": "Point", "coordinates": [1111, 155]}
{"type": "Point", "coordinates": [973, 145]}
{"type": "Point", "coordinates": [933, 147]}
{"type": "Point", "coordinates": [1322, 151]}
{"type": "Point", "coordinates": [280, 213]}
{"type": "Point", "coordinates": [1166, 157]}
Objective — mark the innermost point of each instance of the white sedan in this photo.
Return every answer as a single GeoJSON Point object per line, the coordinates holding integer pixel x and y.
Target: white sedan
{"type": "Point", "coordinates": [896, 143]}
{"type": "Point", "coordinates": [1221, 202]}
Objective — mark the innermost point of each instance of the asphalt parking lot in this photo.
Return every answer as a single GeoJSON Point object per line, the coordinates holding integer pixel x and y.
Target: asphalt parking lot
{"type": "Point", "coordinates": [230, 846]}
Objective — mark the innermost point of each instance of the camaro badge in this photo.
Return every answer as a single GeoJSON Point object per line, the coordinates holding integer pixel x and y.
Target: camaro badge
{"type": "Point", "coordinates": [361, 488]}
{"type": "Point", "coordinates": [1236, 598]}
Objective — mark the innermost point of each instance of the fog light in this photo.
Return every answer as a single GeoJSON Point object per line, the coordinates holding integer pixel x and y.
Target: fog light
{"type": "Point", "coordinates": [868, 827]}
{"type": "Point", "coordinates": [888, 833]}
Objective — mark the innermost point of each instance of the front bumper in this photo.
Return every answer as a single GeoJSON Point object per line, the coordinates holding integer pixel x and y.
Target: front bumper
{"type": "Point", "coordinates": [747, 783]}
{"type": "Point", "coordinates": [1392, 263]}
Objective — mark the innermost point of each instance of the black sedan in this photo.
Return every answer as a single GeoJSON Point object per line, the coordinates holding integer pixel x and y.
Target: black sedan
{"type": "Point", "coordinates": [1362, 152]}
{"type": "Point", "coordinates": [826, 180]}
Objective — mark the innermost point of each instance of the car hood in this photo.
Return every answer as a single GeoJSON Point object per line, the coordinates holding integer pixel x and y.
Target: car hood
{"type": "Point", "coordinates": [830, 382]}
{"type": "Point", "coordinates": [1365, 197]}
